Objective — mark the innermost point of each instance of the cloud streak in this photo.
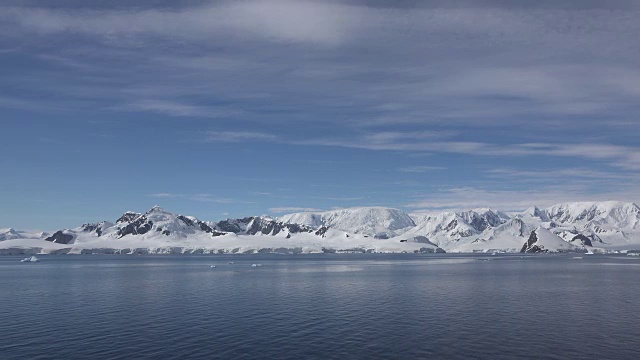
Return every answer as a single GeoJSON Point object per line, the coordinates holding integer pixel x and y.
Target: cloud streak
{"type": "Point", "coordinates": [527, 88]}
{"type": "Point", "coordinates": [282, 210]}
{"type": "Point", "coordinates": [514, 200]}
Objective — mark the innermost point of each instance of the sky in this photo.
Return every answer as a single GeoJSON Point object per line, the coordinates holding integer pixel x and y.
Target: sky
{"type": "Point", "coordinates": [224, 109]}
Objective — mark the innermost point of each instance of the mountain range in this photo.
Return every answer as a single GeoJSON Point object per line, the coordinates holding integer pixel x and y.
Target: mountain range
{"type": "Point", "coordinates": [569, 227]}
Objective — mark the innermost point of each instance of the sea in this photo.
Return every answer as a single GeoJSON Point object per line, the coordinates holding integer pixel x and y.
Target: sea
{"type": "Point", "coordinates": [323, 306]}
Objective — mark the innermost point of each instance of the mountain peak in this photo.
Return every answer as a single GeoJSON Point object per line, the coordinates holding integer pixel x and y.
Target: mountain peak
{"type": "Point", "coordinates": [156, 209]}
{"type": "Point", "coordinates": [374, 220]}
{"type": "Point", "coordinates": [535, 212]}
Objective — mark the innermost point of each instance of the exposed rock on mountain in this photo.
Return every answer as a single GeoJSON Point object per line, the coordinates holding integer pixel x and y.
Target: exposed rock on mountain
{"type": "Point", "coordinates": [605, 226]}
{"type": "Point", "coordinates": [543, 240]}
{"type": "Point", "coordinates": [61, 237]}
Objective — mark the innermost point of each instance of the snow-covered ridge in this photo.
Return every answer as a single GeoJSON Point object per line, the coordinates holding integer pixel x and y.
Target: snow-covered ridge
{"type": "Point", "coordinates": [160, 231]}
{"type": "Point", "coordinates": [603, 226]}
{"type": "Point", "coordinates": [379, 222]}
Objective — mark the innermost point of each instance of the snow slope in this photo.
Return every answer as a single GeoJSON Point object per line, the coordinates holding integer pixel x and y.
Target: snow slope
{"type": "Point", "coordinates": [603, 226]}
{"type": "Point", "coordinates": [543, 240]}
{"type": "Point", "coordinates": [10, 233]}
{"type": "Point", "coordinates": [160, 231]}
{"type": "Point", "coordinates": [375, 221]}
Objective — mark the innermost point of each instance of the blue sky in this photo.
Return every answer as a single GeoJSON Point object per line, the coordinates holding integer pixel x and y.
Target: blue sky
{"type": "Point", "coordinates": [235, 108]}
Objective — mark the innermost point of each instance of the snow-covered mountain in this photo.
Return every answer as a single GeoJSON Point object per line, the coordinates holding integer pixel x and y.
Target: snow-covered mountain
{"type": "Point", "coordinates": [607, 225]}
{"type": "Point", "coordinates": [543, 240]}
{"type": "Point", "coordinates": [160, 231]}
{"type": "Point", "coordinates": [379, 222]}
{"type": "Point", "coordinates": [10, 234]}
{"type": "Point", "coordinates": [448, 229]}
{"type": "Point", "coordinates": [602, 226]}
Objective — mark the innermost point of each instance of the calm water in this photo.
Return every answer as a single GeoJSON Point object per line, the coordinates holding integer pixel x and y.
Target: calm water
{"type": "Point", "coordinates": [327, 306]}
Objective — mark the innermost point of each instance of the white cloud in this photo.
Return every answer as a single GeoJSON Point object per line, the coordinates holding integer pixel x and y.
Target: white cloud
{"type": "Point", "coordinates": [233, 136]}
{"type": "Point", "coordinates": [281, 210]}
{"type": "Point", "coordinates": [163, 195]}
{"type": "Point", "coordinates": [420, 169]}
{"type": "Point", "coordinates": [174, 108]}
{"type": "Point", "coordinates": [284, 21]}
{"type": "Point", "coordinates": [465, 198]}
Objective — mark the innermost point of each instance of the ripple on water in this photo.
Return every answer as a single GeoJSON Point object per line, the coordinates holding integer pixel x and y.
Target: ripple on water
{"type": "Point", "coordinates": [318, 307]}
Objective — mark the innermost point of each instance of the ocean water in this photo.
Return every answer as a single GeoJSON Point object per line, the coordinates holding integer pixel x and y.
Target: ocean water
{"type": "Point", "coordinates": [362, 306]}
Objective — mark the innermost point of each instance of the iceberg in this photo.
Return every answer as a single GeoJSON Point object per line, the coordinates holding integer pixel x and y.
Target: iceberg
{"type": "Point", "coordinates": [30, 259]}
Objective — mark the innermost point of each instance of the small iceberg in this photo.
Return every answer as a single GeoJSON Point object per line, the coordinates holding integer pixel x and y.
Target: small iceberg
{"type": "Point", "coordinates": [30, 259]}
{"type": "Point", "coordinates": [213, 266]}
{"type": "Point", "coordinates": [256, 265]}
{"type": "Point", "coordinates": [231, 263]}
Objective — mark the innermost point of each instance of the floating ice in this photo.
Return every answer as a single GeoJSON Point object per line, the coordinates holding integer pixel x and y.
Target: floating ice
{"type": "Point", "coordinates": [30, 259]}
{"type": "Point", "coordinates": [256, 265]}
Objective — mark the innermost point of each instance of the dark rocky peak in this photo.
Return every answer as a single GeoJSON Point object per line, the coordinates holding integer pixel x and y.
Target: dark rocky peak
{"type": "Point", "coordinates": [140, 225]}
{"type": "Point", "coordinates": [129, 216]}
{"type": "Point", "coordinates": [322, 230]}
{"type": "Point", "coordinates": [582, 240]}
{"type": "Point", "coordinates": [186, 220]}
{"type": "Point", "coordinates": [530, 245]}
{"type": "Point", "coordinates": [268, 226]}
{"type": "Point", "coordinates": [235, 226]}
{"type": "Point", "coordinates": [199, 224]}
{"type": "Point", "coordinates": [482, 219]}
{"type": "Point", "coordinates": [97, 228]}
{"type": "Point", "coordinates": [60, 237]}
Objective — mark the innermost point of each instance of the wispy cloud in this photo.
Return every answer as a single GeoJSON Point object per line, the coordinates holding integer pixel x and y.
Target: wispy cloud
{"type": "Point", "coordinates": [164, 195]}
{"type": "Point", "coordinates": [507, 200]}
{"type": "Point", "coordinates": [420, 169]}
{"type": "Point", "coordinates": [526, 87]}
{"type": "Point", "coordinates": [622, 156]}
{"type": "Point", "coordinates": [233, 136]}
{"type": "Point", "coordinates": [281, 210]}
{"type": "Point", "coordinates": [282, 21]}
{"type": "Point", "coordinates": [558, 174]}
{"type": "Point", "coordinates": [200, 198]}
{"type": "Point", "coordinates": [173, 108]}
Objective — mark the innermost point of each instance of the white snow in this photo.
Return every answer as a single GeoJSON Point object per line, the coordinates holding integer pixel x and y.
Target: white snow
{"type": "Point", "coordinates": [609, 225]}
{"type": "Point", "coordinates": [372, 221]}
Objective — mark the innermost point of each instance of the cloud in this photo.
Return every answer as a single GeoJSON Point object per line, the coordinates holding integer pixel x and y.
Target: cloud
{"type": "Point", "coordinates": [336, 198]}
{"type": "Point", "coordinates": [420, 169]}
{"type": "Point", "coordinates": [465, 198]}
{"type": "Point", "coordinates": [200, 198]}
{"type": "Point", "coordinates": [164, 195]}
{"type": "Point", "coordinates": [475, 78]}
{"type": "Point", "coordinates": [475, 64]}
{"type": "Point", "coordinates": [261, 193]}
{"type": "Point", "coordinates": [282, 21]}
{"type": "Point", "coordinates": [174, 108]}
{"type": "Point", "coordinates": [233, 136]}
{"type": "Point", "coordinates": [281, 210]}
{"type": "Point", "coordinates": [558, 174]}
{"type": "Point", "coordinates": [627, 157]}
